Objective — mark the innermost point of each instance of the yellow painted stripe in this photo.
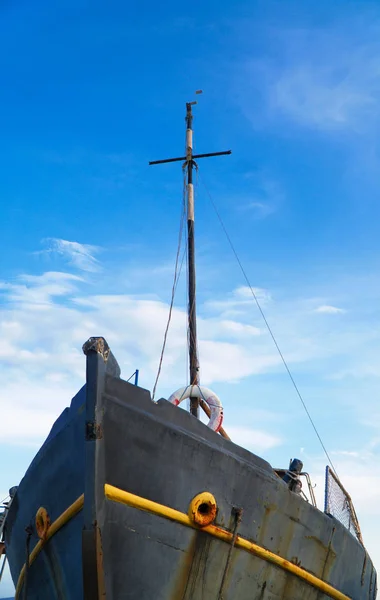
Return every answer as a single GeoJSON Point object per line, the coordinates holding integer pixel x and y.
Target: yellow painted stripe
{"type": "Point", "coordinates": [68, 514]}
{"type": "Point", "coordinates": [117, 495]}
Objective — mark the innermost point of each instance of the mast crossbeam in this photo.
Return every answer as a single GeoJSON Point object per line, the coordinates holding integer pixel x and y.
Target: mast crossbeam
{"type": "Point", "coordinates": [184, 159]}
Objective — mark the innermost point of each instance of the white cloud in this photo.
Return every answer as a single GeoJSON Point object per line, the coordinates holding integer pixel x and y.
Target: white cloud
{"type": "Point", "coordinates": [245, 292]}
{"type": "Point", "coordinates": [79, 255]}
{"type": "Point", "coordinates": [358, 467]}
{"type": "Point", "coordinates": [26, 426]}
{"type": "Point", "coordinates": [218, 328]}
{"type": "Point", "coordinates": [327, 78]}
{"type": "Point", "coordinates": [256, 440]}
{"type": "Point", "coordinates": [226, 361]}
{"type": "Point", "coordinates": [261, 194]}
{"type": "Point", "coordinates": [359, 473]}
{"type": "Point", "coordinates": [235, 303]}
{"type": "Point", "coordinates": [327, 95]}
{"type": "Point", "coordinates": [262, 209]}
{"type": "Point", "coordinates": [40, 289]}
{"type": "Point", "coordinates": [237, 329]}
{"type": "Point", "coordinates": [359, 370]}
{"type": "Point", "coordinates": [329, 310]}
{"type": "Point", "coordinates": [45, 320]}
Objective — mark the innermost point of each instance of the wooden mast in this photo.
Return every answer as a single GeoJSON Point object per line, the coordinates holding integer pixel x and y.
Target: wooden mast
{"type": "Point", "coordinates": [192, 313]}
{"type": "Point", "coordinates": [190, 163]}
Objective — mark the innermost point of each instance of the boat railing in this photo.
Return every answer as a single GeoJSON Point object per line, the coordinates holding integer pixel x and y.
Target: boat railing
{"type": "Point", "coordinates": [338, 504]}
{"type": "Point", "coordinates": [283, 473]}
{"type": "Point", "coordinates": [3, 516]}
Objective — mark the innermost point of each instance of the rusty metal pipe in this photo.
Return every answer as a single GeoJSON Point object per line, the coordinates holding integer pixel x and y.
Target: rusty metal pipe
{"type": "Point", "coordinates": [68, 514]}
{"type": "Point", "coordinates": [117, 495]}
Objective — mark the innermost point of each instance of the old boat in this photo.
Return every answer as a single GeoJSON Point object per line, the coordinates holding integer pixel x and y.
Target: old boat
{"type": "Point", "coordinates": [134, 499]}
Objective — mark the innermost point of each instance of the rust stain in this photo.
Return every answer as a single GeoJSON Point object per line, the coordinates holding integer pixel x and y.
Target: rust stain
{"type": "Point", "coordinates": [286, 540]}
{"type": "Point", "coordinates": [202, 509]}
{"type": "Point", "coordinates": [296, 561]}
{"type": "Point", "coordinates": [192, 569]}
{"type": "Point", "coordinates": [263, 588]}
{"type": "Point", "coordinates": [99, 566]}
{"type": "Point", "coordinates": [230, 571]}
{"type": "Point", "coordinates": [54, 567]}
{"type": "Point", "coordinates": [318, 541]}
{"type": "Point", "coordinates": [371, 584]}
{"type": "Point", "coordinates": [184, 570]}
{"type": "Point", "coordinates": [330, 558]}
{"type": "Point", "coordinates": [292, 588]}
{"type": "Point", "coordinates": [236, 514]}
{"type": "Point", "coordinates": [196, 576]}
{"type": "Point", "coordinates": [264, 574]}
{"type": "Point", "coordinates": [294, 519]}
{"type": "Point", "coordinates": [364, 568]}
{"type": "Point", "coordinates": [43, 523]}
{"type": "Point", "coordinates": [263, 526]}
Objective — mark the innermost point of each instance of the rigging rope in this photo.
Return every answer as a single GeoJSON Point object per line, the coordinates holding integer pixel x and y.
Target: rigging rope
{"type": "Point", "coordinates": [177, 273]}
{"type": "Point", "coordinates": [187, 325]}
{"type": "Point", "coordinates": [3, 566]}
{"type": "Point", "coordinates": [29, 532]}
{"type": "Point", "coordinates": [267, 325]}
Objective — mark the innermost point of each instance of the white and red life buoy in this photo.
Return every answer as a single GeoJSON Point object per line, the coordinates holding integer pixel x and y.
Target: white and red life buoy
{"type": "Point", "coordinates": [211, 399]}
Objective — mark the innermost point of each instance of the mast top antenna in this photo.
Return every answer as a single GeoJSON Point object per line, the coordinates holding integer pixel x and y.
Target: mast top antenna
{"type": "Point", "coordinates": [197, 92]}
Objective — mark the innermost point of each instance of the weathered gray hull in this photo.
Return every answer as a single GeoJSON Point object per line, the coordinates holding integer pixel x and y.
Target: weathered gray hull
{"type": "Point", "coordinates": [111, 549]}
{"type": "Point", "coordinates": [159, 452]}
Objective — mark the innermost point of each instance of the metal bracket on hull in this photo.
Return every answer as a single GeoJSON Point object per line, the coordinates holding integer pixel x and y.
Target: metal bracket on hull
{"type": "Point", "coordinates": [93, 431]}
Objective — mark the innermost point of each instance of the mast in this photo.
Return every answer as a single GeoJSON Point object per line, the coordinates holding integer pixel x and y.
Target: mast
{"type": "Point", "coordinates": [192, 313]}
{"type": "Point", "coordinates": [190, 163]}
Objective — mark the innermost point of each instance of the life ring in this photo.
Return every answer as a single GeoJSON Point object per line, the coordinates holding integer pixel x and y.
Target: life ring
{"type": "Point", "coordinates": [196, 391]}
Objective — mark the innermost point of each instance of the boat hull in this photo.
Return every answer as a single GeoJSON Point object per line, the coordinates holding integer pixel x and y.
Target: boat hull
{"type": "Point", "coordinates": [157, 452]}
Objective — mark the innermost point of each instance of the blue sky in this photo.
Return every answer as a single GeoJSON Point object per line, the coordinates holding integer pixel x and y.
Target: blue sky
{"type": "Point", "coordinates": [90, 93]}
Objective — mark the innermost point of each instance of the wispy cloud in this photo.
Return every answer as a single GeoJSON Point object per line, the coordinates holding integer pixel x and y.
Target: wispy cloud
{"type": "Point", "coordinates": [81, 256]}
{"type": "Point", "coordinates": [237, 301]}
{"type": "Point", "coordinates": [262, 194]}
{"type": "Point", "coordinates": [365, 368]}
{"type": "Point", "coordinates": [329, 310]}
{"type": "Point", "coordinates": [39, 289]}
{"type": "Point", "coordinates": [256, 440]}
{"type": "Point", "coordinates": [358, 469]}
{"type": "Point", "coordinates": [326, 95]}
{"type": "Point", "coordinates": [45, 319]}
{"type": "Point", "coordinates": [359, 472]}
{"type": "Point", "coordinates": [261, 209]}
{"type": "Point", "coordinates": [328, 79]}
